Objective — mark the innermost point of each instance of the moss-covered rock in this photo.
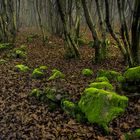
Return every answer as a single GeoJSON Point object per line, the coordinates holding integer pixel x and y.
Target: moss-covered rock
{"type": "Point", "coordinates": [111, 75]}
{"type": "Point", "coordinates": [37, 73]}
{"type": "Point", "coordinates": [87, 72]}
{"type": "Point", "coordinates": [2, 61]}
{"type": "Point", "coordinates": [102, 85]}
{"type": "Point", "coordinates": [131, 82]}
{"type": "Point", "coordinates": [69, 107]}
{"type": "Point", "coordinates": [133, 74]}
{"type": "Point", "coordinates": [18, 53]}
{"type": "Point", "coordinates": [22, 68]}
{"type": "Point", "coordinates": [43, 68]}
{"type": "Point", "coordinates": [56, 74]}
{"type": "Point", "coordinates": [137, 133]}
{"type": "Point", "coordinates": [102, 79]}
{"type": "Point", "coordinates": [6, 46]}
{"type": "Point", "coordinates": [102, 106]}
{"type": "Point", "coordinates": [73, 110]}
{"type": "Point", "coordinates": [36, 93]}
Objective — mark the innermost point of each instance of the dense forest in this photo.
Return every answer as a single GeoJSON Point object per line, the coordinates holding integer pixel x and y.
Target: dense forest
{"type": "Point", "coordinates": [70, 69]}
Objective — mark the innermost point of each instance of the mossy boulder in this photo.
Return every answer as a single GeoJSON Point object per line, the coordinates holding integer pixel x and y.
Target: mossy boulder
{"type": "Point", "coordinates": [73, 110]}
{"type": "Point", "coordinates": [87, 72]}
{"type": "Point", "coordinates": [110, 74]}
{"type": "Point", "coordinates": [102, 106]}
{"type": "Point", "coordinates": [69, 107]}
{"type": "Point", "coordinates": [36, 93]}
{"type": "Point", "coordinates": [6, 46]}
{"type": "Point", "coordinates": [43, 68]}
{"type": "Point", "coordinates": [131, 82]}
{"type": "Point", "coordinates": [18, 53]}
{"type": "Point", "coordinates": [22, 68]}
{"type": "Point", "coordinates": [102, 85]}
{"type": "Point", "coordinates": [102, 79]}
{"type": "Point", "coordinates": [56, 74]}
{"type": "Point", "coordinates": [137, 132]}
{"type": "Point", "coordinates": [2, 61]}
{"type": "Point", "coordinates": [132, 74]}
{"type": "Point", "coordinates": [37, 73]}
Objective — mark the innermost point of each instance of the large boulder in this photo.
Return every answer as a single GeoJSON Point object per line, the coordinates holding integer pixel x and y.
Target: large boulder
{"type": "Point", "coordinates": [131, 82]}
{"type": "Point", "coordinates": [101, 107]}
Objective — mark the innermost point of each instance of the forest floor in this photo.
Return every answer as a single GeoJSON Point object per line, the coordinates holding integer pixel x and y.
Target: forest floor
{"type": "Point", "coordinates": [24, 117]}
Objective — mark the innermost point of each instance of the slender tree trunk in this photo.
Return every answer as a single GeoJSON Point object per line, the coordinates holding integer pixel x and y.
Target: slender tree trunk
{"type": "Point", "coordinates": [93, 31]}
{"type": "Point", "coordinates": [71, 46]}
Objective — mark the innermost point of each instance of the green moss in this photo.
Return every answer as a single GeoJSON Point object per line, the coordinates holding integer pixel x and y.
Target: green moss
{"type": "Point", "coordinates": [102, 85]}
{"type": "Point", "coordinates": [43, 68]}
{"type": "Point", "coordinates": [50, 93]}
{"type": "Point", "coordinates": [102, 106]}
{"type": "Point", "coordinates": [111, 75]}
{"type": "Point", "coordinates": [56, 74]}
{"type": "Point", "coordinates": [22, 68]}
{"type": "Point", "coordinates": [2, 61]}
{"type": "Point", "coordinates": [87, 72]}
{"type": "Point", "coordinates": [101, 79]}
{"type": "Point", "coordinates": [20, 54]}
{"type": "Point", "coordinates": [137, 133]}
{"type": "Point", "coordinates": [36, 93]}
{"type": "Point", "coordinates": [133, 74]}
{"type": "Point", "coordinates": [5, 46]}
{"type": "Point", "coordinates": [37, 73]}
{"type": "Point", "coordinates": [69, 107]}
{"type": "Point", "coordinates": [73, 110]}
